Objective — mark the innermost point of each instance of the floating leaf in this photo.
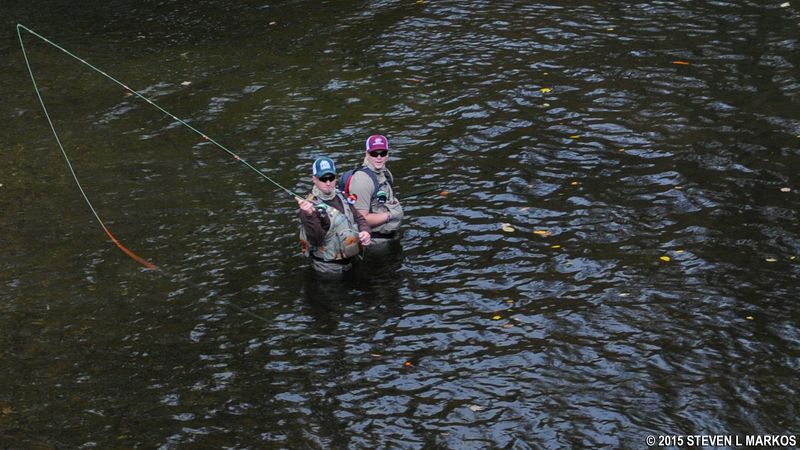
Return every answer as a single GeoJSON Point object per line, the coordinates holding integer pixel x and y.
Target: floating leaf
{"type": "Point", "coordinates": [793, 258]}
{"type": "Point", "coordinates": [610, 29]}
{"type": "Point", "coordinates": [786, 189]}
{"type": "Point", "coordinates": [545, 90]}
{"type": "Point", "coordinates": [407, 364]}
{"type": "Point", "coordinates": [508, 325]}
{"type": "Point", "coordinates": [476, 408]}
{"type": "Point", "coordinates": [749, 317]}
{"type": "Point", "coordinates": [507, 227]}
{"type": "Point", "coordinates": [785, 5]}
{"type": "Point", "coordinates": [665, 258]}
{"type": "Point", "coordinates": [555, 246]}
{"type": "Point", "coordinates": [679, 251]}
{"type": "Point", "coordinates": [443, 193]}
{"type": "Point", "coordinates": [273, 23]}
{"type": "Point", "coordinates": [496, 317]}
{"type": "Point", "coordinates": [771, 260]}
{"type": "Point", "coordinates": [186, 83]}
{"type": "Point", "coordinates": [574, 183]}
{"type": "Point", "coordinates": [574, 136]}
{"type": "Point", "coordinates": [546, 105]}
{"type": "Point", "coordinates": [543, 233]}
{"type": "Point", "coordinates": [680, 63]}
{"type": "Point", "coordinates": [509, 301]}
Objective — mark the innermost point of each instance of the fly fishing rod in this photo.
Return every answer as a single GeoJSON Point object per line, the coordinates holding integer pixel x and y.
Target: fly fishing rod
{"type": "Point", "coordinates": [147, 264]}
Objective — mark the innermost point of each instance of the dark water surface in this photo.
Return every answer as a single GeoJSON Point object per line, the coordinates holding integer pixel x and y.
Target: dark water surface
{"type": "Point", "coordinates": [576, 126]}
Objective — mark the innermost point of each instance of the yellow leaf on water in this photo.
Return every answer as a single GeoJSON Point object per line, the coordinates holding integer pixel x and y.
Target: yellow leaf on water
{"type": "Point", "coordinates": [665, 258]}
{"type": "Point", "coordinates": [555, 246]}
{"type": "Point", "coordinates": [786, 189]}
{"type": "Point", "coordinates": [496, 317]}
{"type": "Point", "coordinates": [679, 251]}
{"type": "Point", "coordinates": [749, 317]}
{"type": "Point", "coordinates": [771, 260]}
{"type": "Point", "coordinates": [543, 233]}
{"type": "Point", "coordinates": [793, 258]}
{"type": "Point", "coordinates": [507, 227]}
{"type": "Point", "coordinates": [574, 183]}
{"type": "Point", "coordinates": [545, 90]}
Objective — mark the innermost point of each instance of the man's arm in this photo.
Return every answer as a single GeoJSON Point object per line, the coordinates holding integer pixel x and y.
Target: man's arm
{"type": "Point", "coordinates": [316, 227]}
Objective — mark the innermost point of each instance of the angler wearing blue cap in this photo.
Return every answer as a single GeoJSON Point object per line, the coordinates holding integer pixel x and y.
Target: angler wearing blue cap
{"type": "Point", "coordinates": [332, 231]}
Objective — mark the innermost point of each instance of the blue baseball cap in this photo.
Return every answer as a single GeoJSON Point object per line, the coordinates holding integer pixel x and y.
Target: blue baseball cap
{"type": "Point", "coordinates": [323, 166]}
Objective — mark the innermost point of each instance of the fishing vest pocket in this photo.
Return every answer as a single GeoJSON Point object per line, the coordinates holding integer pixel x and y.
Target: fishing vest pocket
{"type": "Point", "coordinates": [305, 246]}
{"type": "Point", "coordinates": [351, 245]}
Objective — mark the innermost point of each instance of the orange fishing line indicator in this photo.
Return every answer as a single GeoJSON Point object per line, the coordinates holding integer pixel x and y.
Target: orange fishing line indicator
{"type": "Point", "coordinates": [147, 264]}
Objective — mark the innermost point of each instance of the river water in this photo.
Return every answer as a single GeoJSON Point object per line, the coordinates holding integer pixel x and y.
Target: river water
{"type": "Point", "coordinates": [616, 255]}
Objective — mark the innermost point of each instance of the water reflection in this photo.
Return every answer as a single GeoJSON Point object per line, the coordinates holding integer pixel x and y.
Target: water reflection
{"type": "Point", "coordinates": [616, 256]}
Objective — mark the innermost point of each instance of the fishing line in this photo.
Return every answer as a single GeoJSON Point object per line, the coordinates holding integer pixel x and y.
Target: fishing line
{"type": "Point", "coordinates": [147, 264]}
{"type": "Point", "coordinates": [421, 191]}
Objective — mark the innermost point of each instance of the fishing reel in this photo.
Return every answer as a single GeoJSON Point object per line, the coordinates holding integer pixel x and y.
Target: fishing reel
{"type": "Point", "coordinates": [382, 197]}
{"type": "Point", "coordinates": [322, 209]}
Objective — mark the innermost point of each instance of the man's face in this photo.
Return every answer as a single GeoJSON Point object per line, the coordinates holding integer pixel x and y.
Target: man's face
{"type": "Point", "coordinates": [378, 157]}
{"type": "Point", "coordinates": [325, 183]}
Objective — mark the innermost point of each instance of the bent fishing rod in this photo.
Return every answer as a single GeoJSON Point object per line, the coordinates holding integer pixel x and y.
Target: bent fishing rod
{"type": "Point", "coordinates": [147, 264]}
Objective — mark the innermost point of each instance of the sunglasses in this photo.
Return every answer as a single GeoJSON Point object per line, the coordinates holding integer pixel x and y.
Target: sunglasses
{"type": "Point", "coordinates": [327, 178]}
{"type": "Point", "coordinates": [376, 153]}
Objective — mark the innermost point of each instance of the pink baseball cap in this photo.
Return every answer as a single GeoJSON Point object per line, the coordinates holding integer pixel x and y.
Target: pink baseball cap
{"type": "Point", "coordinates": [377, 142]}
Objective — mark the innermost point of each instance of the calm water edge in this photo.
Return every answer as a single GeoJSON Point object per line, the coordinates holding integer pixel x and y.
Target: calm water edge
{"type": "Point", "coordinates": [616, 256]}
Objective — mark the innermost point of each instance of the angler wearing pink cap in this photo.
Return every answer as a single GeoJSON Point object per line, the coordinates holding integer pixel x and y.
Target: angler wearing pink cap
{"type": "Point", "coordinates": [373, 187]}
